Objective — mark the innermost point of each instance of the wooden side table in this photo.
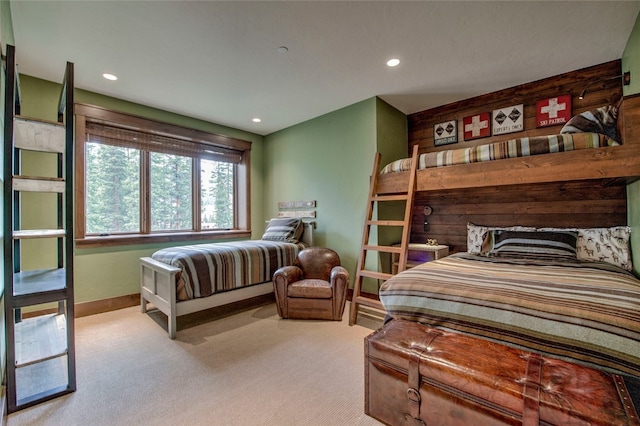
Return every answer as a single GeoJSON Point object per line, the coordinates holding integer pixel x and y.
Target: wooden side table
{"type": "Point", "coordinates": [419, 253]}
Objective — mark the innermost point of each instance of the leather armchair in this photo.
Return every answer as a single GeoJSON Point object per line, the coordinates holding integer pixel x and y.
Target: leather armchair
{"type": "Point", "coordinates": [314, 287]}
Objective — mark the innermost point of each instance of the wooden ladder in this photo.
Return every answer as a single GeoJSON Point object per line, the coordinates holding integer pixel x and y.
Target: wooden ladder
{"type": "Point", "coordinates": [369, 223]}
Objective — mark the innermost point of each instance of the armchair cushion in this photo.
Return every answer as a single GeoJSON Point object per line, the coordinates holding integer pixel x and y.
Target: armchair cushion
{"type": "Point", "coordinates": [310, 289]}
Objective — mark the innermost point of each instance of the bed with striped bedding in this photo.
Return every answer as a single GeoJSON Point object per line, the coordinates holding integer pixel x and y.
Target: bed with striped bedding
{"type": "Point", "coordinates": [587, 312]}
{"type": "Point", "coordinates": [513, 148]}
{"type": "Point", "coordinates": [206, 269]}
{"type": "Point", "coordinates": [183, 280]}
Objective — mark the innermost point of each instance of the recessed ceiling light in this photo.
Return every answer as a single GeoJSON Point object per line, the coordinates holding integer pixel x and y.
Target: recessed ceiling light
{"type": "Point", "coordinates": [393, 62]}
{"type": "Point", "coordinates": [256, 120]}
{"type": "Point", "coordinates": [283, 49]}
{"type": "Point", "coordinates": [109, 76]}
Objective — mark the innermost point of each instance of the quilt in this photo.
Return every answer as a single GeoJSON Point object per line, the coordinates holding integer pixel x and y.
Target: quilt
{"type": "Point", "coordinates": [211, 268]}
{"type": "Point", "coordinates": [514, 148]}
{"type": "Point", "coordinates": [587, 312]}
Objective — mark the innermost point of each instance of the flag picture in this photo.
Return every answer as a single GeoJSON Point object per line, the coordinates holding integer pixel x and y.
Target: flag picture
{"type": "Point", "coordinates": [553, 111]}
{"type": "Point", "coordinates": [477, 126]}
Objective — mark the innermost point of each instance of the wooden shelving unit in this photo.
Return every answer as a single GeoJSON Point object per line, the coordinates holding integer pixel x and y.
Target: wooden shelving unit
{"type": "Point", "coordinates": [41, 347]}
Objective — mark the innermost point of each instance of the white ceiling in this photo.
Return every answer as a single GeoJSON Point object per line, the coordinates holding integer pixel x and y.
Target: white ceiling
{"type": "Point", "coordinates": [219, 61]}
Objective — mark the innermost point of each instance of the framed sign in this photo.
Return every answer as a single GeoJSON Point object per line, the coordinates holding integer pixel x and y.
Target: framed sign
{"type": "Point", "coordinates": [477, 126]}
{"type": "Point", "coordinates": [508, 120]}
{"type": "Point", "coordinates": [445, 133]}
{"type": "Point", "coordinates": [553, 111]}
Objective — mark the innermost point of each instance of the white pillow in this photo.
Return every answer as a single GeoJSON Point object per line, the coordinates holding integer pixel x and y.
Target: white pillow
{"type": "Point", "coordinates": [609, 245]}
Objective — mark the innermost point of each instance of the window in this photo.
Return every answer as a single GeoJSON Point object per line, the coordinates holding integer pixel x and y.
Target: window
{"type": "Point", "coordinates": [139, 180]}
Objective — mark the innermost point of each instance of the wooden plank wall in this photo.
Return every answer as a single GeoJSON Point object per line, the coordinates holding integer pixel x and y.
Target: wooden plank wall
{"type": "Point", "coordinates": [581, 204]}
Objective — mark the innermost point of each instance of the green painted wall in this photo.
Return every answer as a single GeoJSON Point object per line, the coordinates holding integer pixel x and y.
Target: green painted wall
{"type": "Point", "coordinates": [112, 272]}
{"type": "Point", "coordinates": [631, 62]}
{"type": "Point", "coordinates": [391, 137]}
{"type": "Point", "coordinates": [329, 159]}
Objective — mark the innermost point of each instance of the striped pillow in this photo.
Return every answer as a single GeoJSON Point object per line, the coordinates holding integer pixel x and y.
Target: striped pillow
{"type": "Point", "coordinates": [477, 236]}
{"type": "Point", "coordinates": [603, 120]}
{"type": "Point", "coordinates": [537, 244]}
{"type": "Point", "coordinates": [288, 230]}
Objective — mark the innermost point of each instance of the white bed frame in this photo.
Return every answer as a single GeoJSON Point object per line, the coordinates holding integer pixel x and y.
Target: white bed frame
{"type": "Point", "coordinates": [158, 286]}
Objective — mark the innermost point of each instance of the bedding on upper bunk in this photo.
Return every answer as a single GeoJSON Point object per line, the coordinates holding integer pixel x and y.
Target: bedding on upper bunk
{"type": "Point", "coordinates": [512, 148]}
{"type": "Point", "coordinates": [211, 268]}
{"type": "Point", "coordinates": [581, 311]}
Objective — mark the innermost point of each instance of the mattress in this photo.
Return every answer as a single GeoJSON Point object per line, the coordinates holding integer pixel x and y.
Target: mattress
{"type": "Point", "coordinates": [513, 148]}
{"type": "Point", "coordinates": [580, 311]}
{"type": "Point", "coordinates": [212, 268]}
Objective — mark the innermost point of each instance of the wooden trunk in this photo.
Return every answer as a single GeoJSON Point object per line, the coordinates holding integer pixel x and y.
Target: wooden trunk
{"type": "Point", "coordinates": [418, 375]}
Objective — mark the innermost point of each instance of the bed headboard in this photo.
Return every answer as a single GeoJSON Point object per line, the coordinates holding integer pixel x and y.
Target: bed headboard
{"type": "Point", "coordinates": [307, 234]}
{"type": "Point", "coordinates": [307, 231]}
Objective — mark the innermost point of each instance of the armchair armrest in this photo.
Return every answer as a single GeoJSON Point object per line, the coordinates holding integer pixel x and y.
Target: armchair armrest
{"type": "Point", "coordinates": [339, 283]}
{"type": "Point", "coordinates": [339, 276]}
{"type": "Point", "coordinates": [288, 274]}
{"type": "Point", "coordinates": [281, 280]}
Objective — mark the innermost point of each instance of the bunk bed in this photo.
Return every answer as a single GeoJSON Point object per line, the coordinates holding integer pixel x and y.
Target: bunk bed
{"type": "Point", "coordinates": [187, 279]}
{"type": "Point", "coordinates": [609, 161]}
{"type": "Point", "coordinates": [537, 300]}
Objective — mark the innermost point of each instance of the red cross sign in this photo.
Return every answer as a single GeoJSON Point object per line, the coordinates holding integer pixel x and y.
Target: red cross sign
{"type": "Point", "coordinates": [477, 126]}
{"type": "Point", "coordinates": [553, 111]}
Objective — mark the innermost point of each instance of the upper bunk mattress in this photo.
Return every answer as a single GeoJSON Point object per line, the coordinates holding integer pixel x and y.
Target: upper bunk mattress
{"type": "Point", "coordinates": [513, 148]}
{"type": "Point", "coordinates": [211, 268]}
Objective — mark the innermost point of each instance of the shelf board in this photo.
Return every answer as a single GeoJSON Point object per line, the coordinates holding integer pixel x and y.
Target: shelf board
{"type": "Point", "coordinates": [37, 135]}
{"type": "Point", "coordinates": [40, 339]}
{"type": "Point", "coordinates": [38, 184]}
{"type": "Point", "coordinates": [38, 233]}
{"type": "Point", "coordinates": [38, 281]}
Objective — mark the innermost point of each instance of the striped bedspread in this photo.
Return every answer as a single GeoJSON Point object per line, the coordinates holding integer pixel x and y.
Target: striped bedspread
{"type": "Point", "coordinates": [581, 311]}
{"type": "Point", "coordinates": [212, 268]}
{"type": "Point", "coordinates": [513, 148]}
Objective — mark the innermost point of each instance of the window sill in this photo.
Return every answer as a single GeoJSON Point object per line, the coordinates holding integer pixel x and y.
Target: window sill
{"type": "Point", "coordinates": [169, 237]}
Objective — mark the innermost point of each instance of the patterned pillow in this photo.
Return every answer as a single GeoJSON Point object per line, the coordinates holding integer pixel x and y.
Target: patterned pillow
{"type": "Point", "coordinates": [602, 120]}
{"type": "Point", "coordinates": [289, 230]}
{"type": "Point", "coordinates": [537, 244]}
{"type": "Point", "coordinates": [609, 245]}
{"type": "Point", "coordinates": [477, 234]}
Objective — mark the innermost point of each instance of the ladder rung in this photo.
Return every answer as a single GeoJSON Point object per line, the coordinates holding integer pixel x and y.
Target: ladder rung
{"type": "Point", "coordinates": [38, 184]}
{"type": "Point", "coordinates": [384, 249]}
{"type": "Point", "coordinates": [386, 222]}
{"type": "Point", "coordinates": [396, 197]}
{"type": "Point", "coordinates": [374, 274]}
{"type": "Point", "coordinates": [38, 233]}
{"type": "Point", "coordinates": [366, 301]}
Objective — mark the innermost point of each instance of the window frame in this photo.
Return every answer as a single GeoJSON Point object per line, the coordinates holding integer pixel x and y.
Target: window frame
{"type": "Point", "coordinates": [93, 114]}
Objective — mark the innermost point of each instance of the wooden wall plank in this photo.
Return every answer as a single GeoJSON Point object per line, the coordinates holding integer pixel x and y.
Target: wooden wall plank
{"type": "Point", "coordinates": [581, 204]}
{"type": "Point", "coordinates": [420, 124]}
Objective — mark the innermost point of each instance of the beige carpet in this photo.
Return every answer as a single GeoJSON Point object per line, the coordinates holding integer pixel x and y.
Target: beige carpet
{"type": "Point", "coordinates": [250, 368]}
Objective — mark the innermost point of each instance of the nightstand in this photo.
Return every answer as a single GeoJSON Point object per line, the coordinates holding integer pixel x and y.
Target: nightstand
{"type": "Point", "coordinates": [419, 253]}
